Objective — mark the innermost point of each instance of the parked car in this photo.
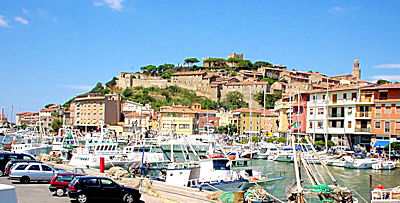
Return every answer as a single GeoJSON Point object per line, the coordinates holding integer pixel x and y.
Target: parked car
{"type": "Point", "coordinates": [87, 188]}
{"type": "Point", "coordinates": [6, 157]}
{"type": "Point", "coordinates": [59, 183]}
{"type": "Point", "coordinates": [26, 172]}
{"type": "Point", "coordinates": [13, 162]}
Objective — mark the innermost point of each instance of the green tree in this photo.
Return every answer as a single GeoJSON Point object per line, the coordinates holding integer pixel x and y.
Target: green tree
{"type": "Point", "coordinates": [48, 105]}
{"type": "Point", "coordinates": [255, 139]}
{"type": "Point", "coordinates": [270, 99]}
{"type": "Point", "coordinates": [127, 93]}
{"type": "Point", "coordinates": [98, 88]}
{"type": "Point", "coordinates": [382, 82]}
{"type": "Point", "coordinates": [56, 124]}
{"type": "Point", "coordinates": [244, 64]}
{"type": "Point", "coordinates": [234, 100]}
{"type": "Point", "coordinates": [149, 69]}
{"type": "Point", "coordinates": [259, 64]}
{"type": "Point", "coordinates": [112, 82]}
{"type": "Point", "coordinates": [281, 140]}
{"type": "Point", "coordinates": [207, 103]}
{"type": "Point", "coordinates": [162, 68]}
{"type": "Point", "coordinates": [191, 61]}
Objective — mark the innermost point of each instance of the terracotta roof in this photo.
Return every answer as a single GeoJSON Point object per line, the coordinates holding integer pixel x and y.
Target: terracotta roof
{"type": "Point", "coordinates": [188, 73]}
{"type": "Point", "coordinates": [48, 110]}
{"type": "Point", "coordinates": [385, 86]}
{"type": "Point", "coordinates": [2, 116]}
{"type": "Point", "coordinates": [26, 113]}
{"type": "Point", "coordinates": [247, 110]}
{"type": "Point", "coordinates": [206, 111]}
{"type": "Point", "coordinates": [269, 112]}
{"type": "Point", "coordinates": [210, 75]}
{"type": "Point", "coordinates": [177, 109]}
{"type": "Point", "coordinates": [134, 114]}
{"type": "Point", "coordinates": [246, 83]}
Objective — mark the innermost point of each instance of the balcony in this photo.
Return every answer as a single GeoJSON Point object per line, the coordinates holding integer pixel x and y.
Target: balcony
{"type": "Point", "coordinates": [363, 130]}
{"type": "Point", "coordinates": [364, 114]}
{"type": "Point", "coordinates": [336, 115]}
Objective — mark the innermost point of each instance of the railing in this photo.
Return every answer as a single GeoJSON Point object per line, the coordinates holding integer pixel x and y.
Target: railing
{"type": "Point", "coordinates": [336, 115]}
{"type": "Point", "coordinates": [366, 100]}
{"type": "Point", "coordinates": [364, 114]}
{"type": "Point", "coordinates": [364, 130]}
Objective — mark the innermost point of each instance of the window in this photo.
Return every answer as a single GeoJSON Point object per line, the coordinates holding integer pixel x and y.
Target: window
{"type": "Point", "coordinates": [344, 96]}
{"type": "Point", "coordinates": [184, 126]}
{"type": "Point", "coordinates": [377, 124]}
{"type": "Point", "coordinates": [34, 168]}
{"type": "Point", "coordinates": [383, 95]}
{"type": "Point", "coordinates": [46, 168]}
{"type": "Point", "coordinates": [64, 178]}
{"type": "Point", "coordinates": [353, 96]}
{"type": "Point", "coordinates": [21, 167]}
{"type": "Point", "coordinates": [349, 110]}
{"type": "Point", "coordinates": [387, 126]}
{"type": "Point", "coordinates": [90, 182]}
{"type": "Point", "coordinates": [310, 125]}
{"type": "Point", "coordinates": [323, 97]}
{"type": "Point", "coordinates": [397, 110]}
{"type": "Point", "coordinates": [388, 109]}
{"type": "Point", "coordinates": [311, 111]}
{"type": "Point", "coordinates": [107, 183]}
{"type": "Point", "coordinates": [320, 111]}
{"type": "Point", "coordinates": [349, 124]}
{"type": "Point", "coordinates": [378, 111]}
{"type": "Point", "coordinates": [320, 124]}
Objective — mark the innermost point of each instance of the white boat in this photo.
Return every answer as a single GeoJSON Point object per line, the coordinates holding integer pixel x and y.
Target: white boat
{"type": "Point", "coordinates": [389, 195]}
{"type": "Point", "coordinates": [359, 163]}
{"type": "Point", "coordinates": [267, 150]}
{"type": "Point", "coordinates": [34, 149]}
{"type": "Point", "coordinates": [384, 165]}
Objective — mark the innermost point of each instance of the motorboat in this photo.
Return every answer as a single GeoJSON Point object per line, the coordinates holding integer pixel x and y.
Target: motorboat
{"type": "Point", "coordinates": [266, 150]}
{"type": "Point", "coordinates": [359, 163]}
{"type": "Point", "coordinates": [384, 165]}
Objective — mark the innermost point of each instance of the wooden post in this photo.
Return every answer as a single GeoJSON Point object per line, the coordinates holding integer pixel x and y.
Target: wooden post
{"type": "Point", "coordinates": [370, 187]}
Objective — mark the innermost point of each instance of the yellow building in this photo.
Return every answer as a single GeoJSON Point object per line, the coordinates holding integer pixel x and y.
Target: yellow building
{"type": "Point", "coordinates": [177, 119]}
{"type": "Point", "coordinates": [282, 107]}
{"type": "Point", "coordinates": [241, 118]}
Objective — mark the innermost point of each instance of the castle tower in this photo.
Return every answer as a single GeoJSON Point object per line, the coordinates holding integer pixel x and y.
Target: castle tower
{"type": "Point", "coordinates": [356, 70]}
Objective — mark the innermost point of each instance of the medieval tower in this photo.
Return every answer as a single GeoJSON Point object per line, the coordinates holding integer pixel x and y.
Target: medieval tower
{"type": "Point", "coordinates": [356, 70]}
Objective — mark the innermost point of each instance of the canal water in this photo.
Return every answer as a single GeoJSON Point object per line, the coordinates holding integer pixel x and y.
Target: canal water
{"type": "Point", "coordinates": [356, 179]}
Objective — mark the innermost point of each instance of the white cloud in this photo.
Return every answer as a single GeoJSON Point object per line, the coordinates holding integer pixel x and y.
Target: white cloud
{"type": "Point", "coordinates": [78, 87]}
{"type": "Point", "coordinates": [387, 77]}
{"type": "Point", "coordinates": [113, 4]}
{"type": "Point", "coordinates": [337, 9]}
{"type": "Point", "coordinates": [3, 22]}
{"type": "Point", "coordinates": [394, 65]}
{"type": "Point", "coordinates": [24, 10]}
{"type": "Point", "coordinates": [21, 20]}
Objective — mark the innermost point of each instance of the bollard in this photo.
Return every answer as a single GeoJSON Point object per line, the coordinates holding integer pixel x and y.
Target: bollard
{"type": "Point", "coordinates": [238, 197]}
{"type": "Point", "coordinates": [101, 165]}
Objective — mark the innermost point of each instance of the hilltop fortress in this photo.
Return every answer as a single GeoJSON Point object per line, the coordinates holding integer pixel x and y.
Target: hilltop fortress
{"type": "Point", "coordinates": [214, 82]}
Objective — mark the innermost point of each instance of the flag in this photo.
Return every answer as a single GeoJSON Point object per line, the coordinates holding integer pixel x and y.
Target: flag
{"type": "Point", "coordinates": [294, 125]}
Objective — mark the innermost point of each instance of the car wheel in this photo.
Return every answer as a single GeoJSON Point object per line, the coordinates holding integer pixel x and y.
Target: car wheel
{"type": "Point", "coordinates": [82, 198]}
{"type": "Point", "coordinates": [24, 180]}
{"type": "Point", "coordinates": [60, 192]}
{"type": "Point", "coordinates": [128, 198]}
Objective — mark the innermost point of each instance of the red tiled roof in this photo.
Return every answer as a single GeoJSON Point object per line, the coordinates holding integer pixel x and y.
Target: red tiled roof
{"type": "Point", "coordinates": [246, 83]}
{"type": "Point", "coordinates": [246, 110]}
{"type": "Point", "coordinates": [177, 109]}
{"type": "Point", "coordinates": [188, 73]}
{"type": "Point", "coordinates": [269, 112]}
{"type": "Point", "coordinates": [26, 113]}
{"type": "Point", "coordinates": [134, 114]}
{"type": "Point", "coordinates": [385, 86]}
{"type": "Point", "coordinates": [48, 110]}
{"type": "Point", "coordinates": [206, 111]}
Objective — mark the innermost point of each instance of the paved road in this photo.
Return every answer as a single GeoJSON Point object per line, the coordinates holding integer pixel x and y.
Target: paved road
{"type": "Point", "coordinates": [34, 192]}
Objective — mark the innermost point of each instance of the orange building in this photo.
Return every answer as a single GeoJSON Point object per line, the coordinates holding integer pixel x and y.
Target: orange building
{"type": "Point", "coordinates": [386, 111]}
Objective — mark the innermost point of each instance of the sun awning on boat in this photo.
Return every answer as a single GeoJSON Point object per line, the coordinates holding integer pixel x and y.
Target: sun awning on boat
{"type": "Point", "coordinates": [381, 143]}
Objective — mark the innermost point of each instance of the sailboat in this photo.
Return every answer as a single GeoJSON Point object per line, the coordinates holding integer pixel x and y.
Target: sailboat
{"type": "Point", "coordinates": [319, 188]}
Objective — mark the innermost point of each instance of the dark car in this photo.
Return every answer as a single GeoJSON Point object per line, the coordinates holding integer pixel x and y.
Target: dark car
{"type": "Point", "coordinates": [12, 163]}
{"type": "Point", "coordinates": [87, 188]}
{"type": "Point", "coordinates": [59, 183]}
{"type": "Point", "coordinates": [6, 157]}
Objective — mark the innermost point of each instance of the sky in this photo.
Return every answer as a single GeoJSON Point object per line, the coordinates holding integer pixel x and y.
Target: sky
{"type": "Point", "coordinates": [52, 50]}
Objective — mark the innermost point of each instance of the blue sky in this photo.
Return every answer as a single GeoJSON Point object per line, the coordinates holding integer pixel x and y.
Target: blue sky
{"type": "Point", "coordinates": [53, 50]}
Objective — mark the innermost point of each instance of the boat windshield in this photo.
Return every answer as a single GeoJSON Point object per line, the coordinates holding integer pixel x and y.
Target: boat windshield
{"type": "Point", "coordinates": [221, 165]}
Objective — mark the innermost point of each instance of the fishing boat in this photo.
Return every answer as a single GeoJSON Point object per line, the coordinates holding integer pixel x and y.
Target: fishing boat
{"type": "Point", "coordinates": [382, 195]}
{"type": "Point", "coordinates": [359, 163]}
{"type": "Point", "coordinates": [266, 150]}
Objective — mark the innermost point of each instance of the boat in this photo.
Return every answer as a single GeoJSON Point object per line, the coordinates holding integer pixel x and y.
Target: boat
{"type": "Point", "coordinates": [382, 195]}
{"type": "Point", "coordinates": [359, 163]}
{"type": "Point", "coordinates": [266, 150]}
{"type": "Point", "coordinates": [384, 165]}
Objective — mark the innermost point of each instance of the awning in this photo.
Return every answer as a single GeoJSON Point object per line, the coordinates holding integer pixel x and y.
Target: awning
{"type": "Point", "coordinates": [381, 143]}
